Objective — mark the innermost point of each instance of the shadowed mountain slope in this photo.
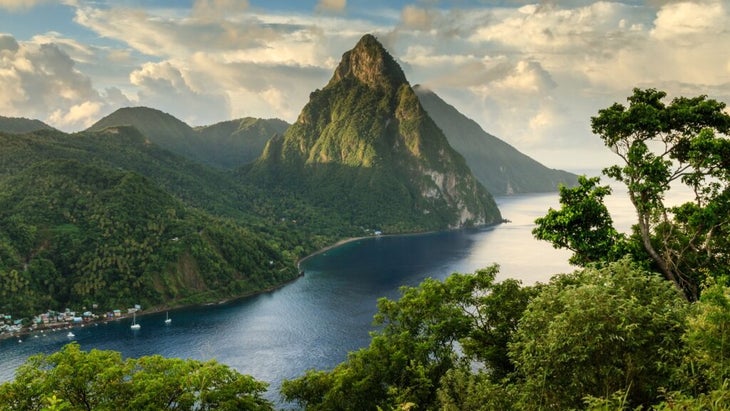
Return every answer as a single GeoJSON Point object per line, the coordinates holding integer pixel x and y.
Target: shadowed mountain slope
{"type": "Point", "coordinates": [227, 145]}
{"type": "Point", "coordinates": [500, 167]}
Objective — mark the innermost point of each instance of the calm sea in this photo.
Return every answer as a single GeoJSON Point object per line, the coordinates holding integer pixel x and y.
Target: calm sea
{"type": "Point", "coordinates": [314, 321]}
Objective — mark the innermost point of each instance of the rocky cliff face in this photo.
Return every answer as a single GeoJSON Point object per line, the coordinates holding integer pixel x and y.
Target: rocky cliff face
{"type": "Point", "coordinates": [371, 64]}
{"type": "Point", "coordinates": [365, 142]}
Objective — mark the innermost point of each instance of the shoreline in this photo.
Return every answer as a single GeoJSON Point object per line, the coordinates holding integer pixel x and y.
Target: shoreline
{"type": "Point", "coordinates": [54, 327]}
{"type": "Point", "coordinates": [329, 247]}
{"type": "Point", "coordinates": [157, 309]}
{"type": "Point", "coordinates": [353, 239]}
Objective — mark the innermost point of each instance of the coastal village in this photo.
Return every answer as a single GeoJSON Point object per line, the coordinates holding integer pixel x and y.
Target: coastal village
{"type": "Point", "coordinates": [54, 320]}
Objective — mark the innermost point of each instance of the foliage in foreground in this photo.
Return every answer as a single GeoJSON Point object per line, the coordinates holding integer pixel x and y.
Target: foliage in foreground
{"type": "Point", "coordinates": [683, 143]}
{"type": "Point", "coordinates": [616, 337]}
{"type": "Point", "coordinates": [416, 344]}
{"type": "Point", "coordinates": [596, 332]}
{"type": "Point", "coordinates": [72, 379]}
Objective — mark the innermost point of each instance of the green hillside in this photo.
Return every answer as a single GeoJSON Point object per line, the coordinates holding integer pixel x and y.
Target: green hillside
{"type": "Point", "coordinates": [364, 148]}
{"type": "Point", "coordinates": [76, 234]}
{"type": "Point", "coordinates": [125, 148]}
{"type": "Point", "coordinates": [500, 167]}
{"type": "Point", "coordinates": [19, 125]}
{"type": "Point", "coordinates": [158, 127]}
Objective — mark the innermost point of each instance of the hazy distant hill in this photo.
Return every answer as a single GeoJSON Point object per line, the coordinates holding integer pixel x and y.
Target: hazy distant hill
{"type": "Point", "coordinates": [19, 125]}
{"type": "Point", "coordinates": [499, 166]}
{"type": "Point", "coordinates": [365, 147]}
{"type": "Point", "coordinates": [231, 144]}
{"type": "Point", "coordinates": [228, 144]}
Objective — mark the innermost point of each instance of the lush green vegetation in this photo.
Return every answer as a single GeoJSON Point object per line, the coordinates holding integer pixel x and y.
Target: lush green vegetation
{"type": "Point", "coordinates": [234, 143]}
{"type": "Point", "coordinates": [613, 337]}
{"type": "Point", "coordinates": [364, 149]}
{"type": "Point", "coordinates": [71, 380]}
{"type": "Point", "coordinates": [498, 166]}
{"type": "Point", "coordinates": [75, 235]}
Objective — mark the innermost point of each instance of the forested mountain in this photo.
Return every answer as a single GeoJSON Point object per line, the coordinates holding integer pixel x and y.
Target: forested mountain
{"type": "Point", "coordinates": [231, 144]}
{"type": "Point", "coordinates": [500, 167]}
{"type": "Point", "coordinates": [364, 146]}
{"type": "Point", "coordinates": [80, 234]}
{"type": "Point", "coordinates": [76, 234]}
{"type": "Point", "coordinates": [227, 145]}
{"type": "Point", "coordinates": [126, 148]}
{"type": "Point", "coordinates": [19, 125]}
{"type": "Point", "coordinates": [110, 218]}
{"type": "Point", "coordinates": [159, 127]}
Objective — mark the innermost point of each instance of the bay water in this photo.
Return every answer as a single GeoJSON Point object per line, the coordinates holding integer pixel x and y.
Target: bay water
{"type": "Point", "coordinates": [316, 320]}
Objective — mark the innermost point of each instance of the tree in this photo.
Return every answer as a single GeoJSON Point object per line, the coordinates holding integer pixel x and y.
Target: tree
{"type": "Point", "coordinates": [462, 389]}
{"type": "Point", "coordinates": [416, 345]}
{"type": "Point", "coordinates": [596, 332]}
{"type": "Point", "coordinates": [708, 341]}
{"type": "Point", "coordinates": [72, 379]}
{"type": "Point", "coordinates": [660, 144]}
{"type": "Point", "coordinates": [583, 224]}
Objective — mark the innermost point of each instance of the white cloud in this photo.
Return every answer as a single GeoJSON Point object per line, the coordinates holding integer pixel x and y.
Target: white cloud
{"type": "Point", "coordinates": [242, 64]}
{"type": "Point", "coordinates": [677, 21]}
{"type": "Point", "coordinates": [596, 28]}
{"type": "Point", "coordinates": [417, 18]}
{"type": "Point", "coordinates": [164, 86]}
{"type": "Point", "coordinates": [167, 37]}
{"type": "Point", "coordinates": [16, 5]}
{"type": "Point", "coordinates": [41, 81]}
{"type": "Point", "coordinates": [8, 43]}
{"type": "Point", "coordinates": [337, 6]}
{"type": "Point", "coordinates": [76, 50]}
{"type": "Point", "coordinates": [258, 89]}
{"type": "Point", "coordinates": [84, 114]}
{"type": "Point", "coordinates": [218, 9]}
{"type": "Point", "coordinates": [526, 77]}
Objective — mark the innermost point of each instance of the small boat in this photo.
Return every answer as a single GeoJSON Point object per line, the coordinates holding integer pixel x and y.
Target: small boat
{"type": "Point", "coordinates": [70, 335]}
{"type": "Point", "coordinates": [168, 320]}
{"type": "Point", "coordinates": [134, 325]}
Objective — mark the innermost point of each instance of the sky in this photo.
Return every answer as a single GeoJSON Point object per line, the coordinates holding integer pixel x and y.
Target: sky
{"type": "Point", "coordinates": [529, 72]}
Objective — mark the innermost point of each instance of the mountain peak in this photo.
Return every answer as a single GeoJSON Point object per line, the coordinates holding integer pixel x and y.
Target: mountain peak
{"type": "Point", "coordinates": [371, 64]}
{"type": "Point", "coordinates": [365, 144]}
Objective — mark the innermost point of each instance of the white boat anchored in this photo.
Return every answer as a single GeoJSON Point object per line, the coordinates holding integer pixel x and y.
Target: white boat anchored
{"type": "Point", "coordinates": [70, 335]}
{"type": "Point", "coordinates": [168, 320]}
{"type": "Point", "coordinates": [134, 325]}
